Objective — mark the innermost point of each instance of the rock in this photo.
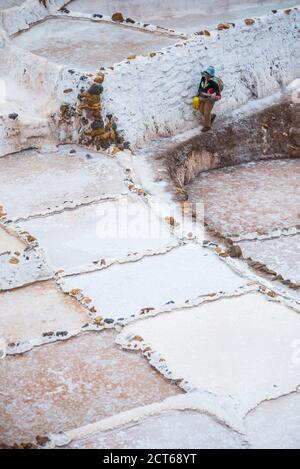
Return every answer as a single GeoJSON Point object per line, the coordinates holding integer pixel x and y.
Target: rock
{"type": "Point", "coordinates": [99, 79]}
{"type": "Point", "coordinates": [152, 54]}
{"type": "Point", "coordinates": [86, 300]}
{"type": "Point", "coordinates": [234, 251]}
{"type": "Point", "coordinates": [249, 21]}
{"type": "Point", "coordinates": [64, 10]}
{"type": "Point", "coordinates": [42, 440]}
{"type": "Point", "coordinates": [109, 321]}
{"type": "Point", "coordinates": [30, 238]}
{"type": "Point", "coordinates": [222, 26]}
{"type": "Point", "coordinates": [98, 320]}
{"type": "Point", "coordinates": [48, 334]}
{"type": "Point", "coordinates": [75, 291]}
{"type": "Point", "coordinates": [203, 33]}
{"type": "Point", "coordinates": [129, 20]}
{"type": "Point", "coordinates": [96, 89]}
{"type": "Point", "coordinates": [287, 11]}
{"type": "Point", "coordinates": [146, 25]}
{"type": "Point", "coordinates": [147, 310]}
{"type": "Point", "coordinates": [68, 90]}
{"type": "Point", "coordinates": [118, 17]}
{"type": "Point", "coordinates": [72, 151]}
{"type": "Point", "coordinates": [99, 124]}
{"type": "Point", "coordinates": [61, 333]}
{"type": "Point", "coordinates": [274, 11]}
{"type": "Point", "coordinates": [13, 116]}
{"type": "Point", "coordinates": [131, 57]}
{"type": "Point", "coordinates": [97, 15]}
{"type": "Point", "coordinates": [170, 220]}
{"type": "Point", "coordinates": [114, 151]}
{"type": "Point", "coordinates": [138, 338]}
{"type": "Point", "coordinates": [14, 260]}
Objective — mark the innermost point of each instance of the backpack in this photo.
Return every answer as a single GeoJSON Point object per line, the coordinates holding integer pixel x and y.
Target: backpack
{"type": "Point", "coordinates": [219, 82]}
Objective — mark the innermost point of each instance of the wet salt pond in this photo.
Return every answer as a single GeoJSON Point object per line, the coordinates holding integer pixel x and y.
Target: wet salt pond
{"type": "Point", "coordinates": [250, 198]}
{"type": "Point", "coordinates": [182, 15]}
{"type": "Point", "coordinates": [57, 177]}
{"type": "Point", "coordinates": [280, 254]}
{"type": "Point", "coordinates": [240, 347]}
{"type": "Point", "coordinates": [68, 384]}
{"type": "Point", "coordinates": [87, 45]}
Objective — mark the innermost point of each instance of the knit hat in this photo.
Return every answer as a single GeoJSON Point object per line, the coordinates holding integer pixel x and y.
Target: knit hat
{"type": "Point", "coordinates": [210, 71]}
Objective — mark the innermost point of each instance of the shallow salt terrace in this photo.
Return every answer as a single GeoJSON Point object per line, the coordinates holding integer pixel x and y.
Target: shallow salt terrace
{"type": "Point", "coordinates": [178, 277]}
{"type": "Point", "coordinates": [240, 349]}
{"type": "Point", "coordinates": [281, 255]}
{"type": "Point", "coordinates": [250, 198]}
{"type": "Point", "coordinates": [58, 178]}
{"type": "Point", "coordinates": [181, 15]}
{"type": "Point", "coordinates": [72, 383]}
{"type": "Point", "coordinates": [28, 312]}
{"type": "Point", "coordinates": [87, 45]}
{"type": "Point", "coordinates": [276, 424]}
{"type": "Point", "coordinates": [103, 232]}
{"type": "Point", "coordinates": [117, 327]}
{"type": "Point", "coordinates": [175, 429]}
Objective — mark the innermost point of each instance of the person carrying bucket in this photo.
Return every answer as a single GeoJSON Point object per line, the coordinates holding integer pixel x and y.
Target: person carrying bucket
{"type": "Point", "coordinates": [209, 92]}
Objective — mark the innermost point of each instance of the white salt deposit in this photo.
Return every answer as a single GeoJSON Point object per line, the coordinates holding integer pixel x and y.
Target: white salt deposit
{"type": "Point", "coordinates": [240, 347]}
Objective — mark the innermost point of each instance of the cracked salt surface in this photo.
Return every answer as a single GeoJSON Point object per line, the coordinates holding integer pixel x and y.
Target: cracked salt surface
{"type": "Point", "coordinates": [25, 313]}
{"type": "Point", "coordinates": [110, 230]}
{"type": "Point", "coordinates": [32, 182]}
{"type": "Point", "coordinates": [72, 383]}
{"type": "Point", "coordinates": [240, 347]}
{"type": "Point", "coordinates": [169, 430]}
{"type": "Point", "coordinates": [87, 45]}
{"type": "Point", "coordinates": [280, 254]}
{"type": "Point", "coordinates": [250, 198]}
{"type": "Point", "coordinates": [183, 274]}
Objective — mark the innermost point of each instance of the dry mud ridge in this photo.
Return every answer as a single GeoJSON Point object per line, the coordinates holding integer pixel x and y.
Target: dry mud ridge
{"type": "Point", "coordinates": [149, 274]}
{"type": "Point", "coordinates": [271, 133]}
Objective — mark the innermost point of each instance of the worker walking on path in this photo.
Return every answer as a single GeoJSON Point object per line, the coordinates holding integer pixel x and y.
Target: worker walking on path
{"type": "Point", "coordinates": [209, 92]}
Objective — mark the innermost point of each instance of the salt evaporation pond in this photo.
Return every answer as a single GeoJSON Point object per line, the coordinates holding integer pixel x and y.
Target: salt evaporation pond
{"type": "Point", "coordinates": [182, 15]}
{"type": "Point", "coordinates": [87, 45]}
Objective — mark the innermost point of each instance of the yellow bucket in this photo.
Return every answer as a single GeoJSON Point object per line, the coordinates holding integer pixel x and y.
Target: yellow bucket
{"type": "Point", "coordinates": [196, 103]}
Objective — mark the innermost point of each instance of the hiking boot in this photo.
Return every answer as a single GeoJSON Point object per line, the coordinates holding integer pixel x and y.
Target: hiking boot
{"type": "Point", "coordinates": [205, 129]}
{"type": "Point", "coordinates": [213, 116]}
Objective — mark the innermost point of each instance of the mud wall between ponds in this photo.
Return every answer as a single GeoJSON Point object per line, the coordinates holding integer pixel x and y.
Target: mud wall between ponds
{"type": "Point", "coordinates": [151, 96]}
{"type": "Point", "coordinates": [269, 134]}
